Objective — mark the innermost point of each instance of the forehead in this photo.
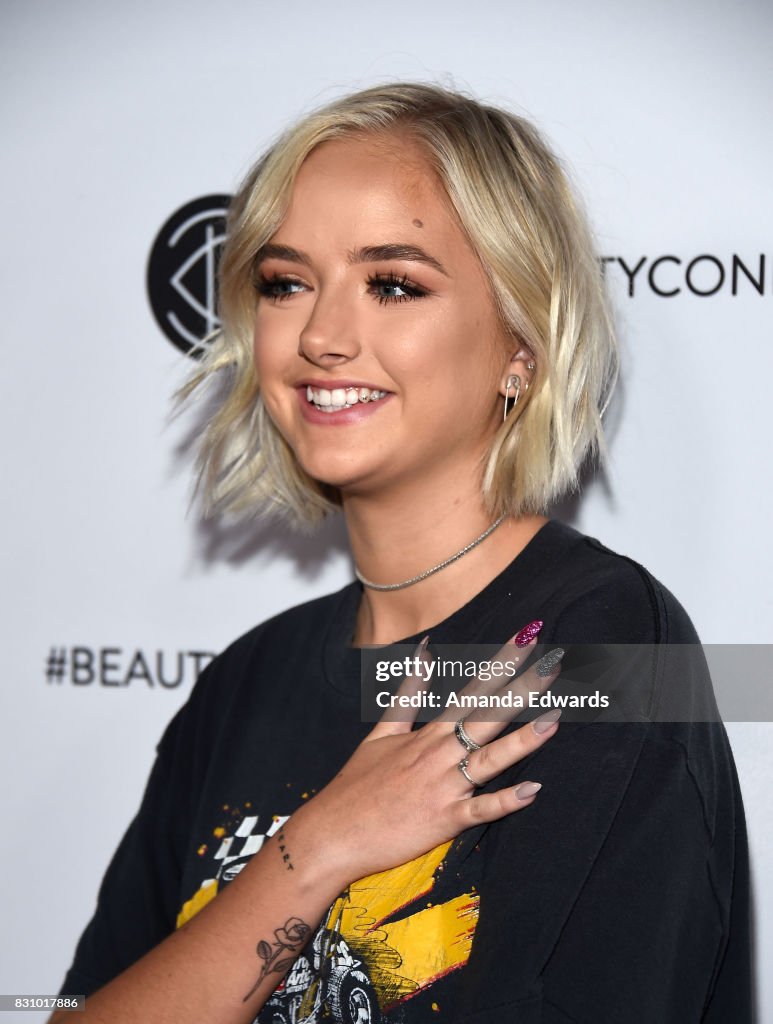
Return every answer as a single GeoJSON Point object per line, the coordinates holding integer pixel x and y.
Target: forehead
{"type": "Point", "coordinates": [388, 159]}
{"type": "Point", "coordinates": [372, 184]}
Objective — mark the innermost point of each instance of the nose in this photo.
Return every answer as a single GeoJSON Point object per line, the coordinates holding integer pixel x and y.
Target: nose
{"type": "Point", "coordinates": [330, 334]}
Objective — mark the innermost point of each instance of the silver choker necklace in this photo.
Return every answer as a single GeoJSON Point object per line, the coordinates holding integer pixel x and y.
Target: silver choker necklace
{"type": "Point", "coordinates": [434, 569]}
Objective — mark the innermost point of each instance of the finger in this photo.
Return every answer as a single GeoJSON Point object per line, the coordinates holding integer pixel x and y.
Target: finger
{"type": "Point", "coordinates": [508, 660]}
{"type": "Point", "coordinates": [483, 724]}
{"type": "Point", "coordinates": [492, 759]}
{"type": "Point", "coordinates": [401, 714]}
{"type": "Point", "coordinates": [492, 806]}
{"type": "Point", "coordinates": [538, 677]}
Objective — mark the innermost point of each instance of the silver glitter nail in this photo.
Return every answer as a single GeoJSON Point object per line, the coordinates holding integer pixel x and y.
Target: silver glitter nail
{"type": "Point", "coordinates": [548, 662]}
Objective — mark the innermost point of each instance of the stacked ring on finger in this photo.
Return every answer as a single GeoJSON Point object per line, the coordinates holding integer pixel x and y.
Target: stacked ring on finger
{"type": "Point", "coordinates": [462, 766]}
{"type": "Point", "coordinates": [464, 738]}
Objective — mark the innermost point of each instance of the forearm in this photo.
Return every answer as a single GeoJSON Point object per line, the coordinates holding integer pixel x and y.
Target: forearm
{"type": "Point", "coordinates": [212, 969]}
{"type": "Point", "coordinates": [398, 796]}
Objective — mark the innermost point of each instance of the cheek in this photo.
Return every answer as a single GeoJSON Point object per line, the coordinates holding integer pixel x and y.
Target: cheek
{"type": "Point", "coordinates": [269, 354]}
{"type": "Point", "coordinates": [462, 358]}
{"type": "Point", "coordinates": [268, 362]}
{"type": "Point", "coordinates": [258, 357]}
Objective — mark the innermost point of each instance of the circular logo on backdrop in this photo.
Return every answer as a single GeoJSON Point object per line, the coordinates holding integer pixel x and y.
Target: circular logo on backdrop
{"type": "Point", "coordinates": [182, 272]}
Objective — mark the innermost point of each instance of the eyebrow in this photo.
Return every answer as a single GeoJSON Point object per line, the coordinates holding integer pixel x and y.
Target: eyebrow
{"type": "Point", "coordinates": [365, 254]}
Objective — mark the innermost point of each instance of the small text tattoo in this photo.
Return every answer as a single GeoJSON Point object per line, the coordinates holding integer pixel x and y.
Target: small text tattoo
{"type": "Point", "coordinates": [283, 850]}
{"type": "Point", "coordinates": [279, 955]}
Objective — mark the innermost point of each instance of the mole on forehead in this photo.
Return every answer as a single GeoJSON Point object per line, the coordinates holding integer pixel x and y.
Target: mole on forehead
{"type": "Point", "coordinates": [418, 223]}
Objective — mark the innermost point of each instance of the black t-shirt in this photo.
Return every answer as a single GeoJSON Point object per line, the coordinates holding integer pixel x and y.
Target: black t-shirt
{"type": "Point", "coordinates": [620, 895]}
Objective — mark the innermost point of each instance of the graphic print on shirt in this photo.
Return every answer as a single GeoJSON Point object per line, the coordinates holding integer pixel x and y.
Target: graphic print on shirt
{"type": "Point", "coordinates": [382, 941]}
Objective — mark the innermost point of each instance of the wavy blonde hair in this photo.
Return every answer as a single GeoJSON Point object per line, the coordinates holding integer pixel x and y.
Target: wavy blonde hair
{"type": "Point", "coordinates": [514, 201]}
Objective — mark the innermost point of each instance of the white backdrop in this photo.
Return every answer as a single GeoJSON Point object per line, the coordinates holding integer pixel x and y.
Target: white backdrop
{"type": "Point", "coordinates": [114, 116]}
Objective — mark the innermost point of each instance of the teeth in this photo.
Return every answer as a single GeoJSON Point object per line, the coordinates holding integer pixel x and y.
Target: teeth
{"type": "Point", "coordinates": [340, 398]}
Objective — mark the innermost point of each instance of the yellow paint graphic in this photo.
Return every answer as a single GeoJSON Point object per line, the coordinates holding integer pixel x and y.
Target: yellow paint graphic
{"type": "Point", "coordinates": [407, 955]}
{"type": "Point", "coordinates": [402, 957]}
{"type": "Point", "coordinates": [435, 941]}
{"type": "Point", "coordinates": [387, 891]}
{"type": "Point", "coordinates": [198, 901]}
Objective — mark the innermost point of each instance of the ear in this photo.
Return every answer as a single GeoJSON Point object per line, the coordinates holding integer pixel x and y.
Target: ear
{"type": "Point", "coordinates": [523, 364]}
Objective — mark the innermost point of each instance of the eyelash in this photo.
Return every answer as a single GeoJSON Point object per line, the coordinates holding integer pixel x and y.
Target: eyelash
{"type": "Point", "coordinates": [265, 284]}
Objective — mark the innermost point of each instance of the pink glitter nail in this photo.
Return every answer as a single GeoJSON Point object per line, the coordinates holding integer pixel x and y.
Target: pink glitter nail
{"type": "Point", "coordinates": [527, 634]}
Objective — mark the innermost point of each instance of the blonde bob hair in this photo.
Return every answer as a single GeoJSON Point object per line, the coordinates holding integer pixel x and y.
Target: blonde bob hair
{"type": "Point", "coordinates": [516, 205]}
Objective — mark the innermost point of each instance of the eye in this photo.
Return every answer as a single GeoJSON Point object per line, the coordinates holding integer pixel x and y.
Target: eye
{"type": "Point", "coordinates": [275, 287]}
{"type": "Point", "coordinates": [392, 282]}
{"type": "Point", "coordinates": [384, 287]}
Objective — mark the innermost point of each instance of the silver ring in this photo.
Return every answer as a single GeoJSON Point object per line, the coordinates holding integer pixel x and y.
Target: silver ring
{"type": "Point", "coordinates": [464, 738]}
{"type": "Point", "coordinates": [462, 766]}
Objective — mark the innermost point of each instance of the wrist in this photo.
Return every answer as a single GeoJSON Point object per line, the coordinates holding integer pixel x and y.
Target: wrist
{"type": "Point", "coordinates": [308, 849]}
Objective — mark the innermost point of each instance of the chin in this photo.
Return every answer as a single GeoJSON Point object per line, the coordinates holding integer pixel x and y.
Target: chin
{"type": "Point", "coordinates": [340, 472]}
{"type": "Point", "coordinates": [347, 479]}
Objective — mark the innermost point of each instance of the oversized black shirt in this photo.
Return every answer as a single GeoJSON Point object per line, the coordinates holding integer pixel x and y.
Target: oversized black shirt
{"type": "Point", "coordinates": [620, 895]}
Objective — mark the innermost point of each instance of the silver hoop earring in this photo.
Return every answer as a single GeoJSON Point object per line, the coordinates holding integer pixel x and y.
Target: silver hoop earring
{"type": "Point", "coordinates": [513, 381]}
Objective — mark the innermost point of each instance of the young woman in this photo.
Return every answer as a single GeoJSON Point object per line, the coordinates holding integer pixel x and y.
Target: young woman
{"type": "Point", "coordinates": [415, 332]}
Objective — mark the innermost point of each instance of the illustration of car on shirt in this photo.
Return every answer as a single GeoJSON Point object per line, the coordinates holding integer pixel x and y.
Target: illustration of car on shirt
{"type": "Point", "coordinates": [334, 981]}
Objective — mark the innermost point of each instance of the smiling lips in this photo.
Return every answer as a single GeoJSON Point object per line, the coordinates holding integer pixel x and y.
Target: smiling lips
{"type": "Point", "coordinates": [341, 398]}
{"type": "Point", "coordinates": [344, 404]}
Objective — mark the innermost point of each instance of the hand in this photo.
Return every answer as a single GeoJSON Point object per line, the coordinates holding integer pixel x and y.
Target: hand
{"type": "Point", "coordinates": [401, 792]}
{"type": "Point", "coordinates": [399, 796]}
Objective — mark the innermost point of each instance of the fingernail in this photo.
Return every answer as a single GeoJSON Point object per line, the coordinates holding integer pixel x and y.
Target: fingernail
{"type": "Point", "coordinates": [527, 789]}
{"type": "Point", "coordinates": [548, 662]}
{"type": "Point", "coordinates": [423, 645]}
{"type": "Point", "coordinates": [527, 634]}
{"type": "Point", "coordinates": [544, 722]}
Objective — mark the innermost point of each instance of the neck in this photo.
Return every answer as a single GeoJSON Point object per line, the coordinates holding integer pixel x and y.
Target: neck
{"type": "Point", "coordinates": [393, 539]}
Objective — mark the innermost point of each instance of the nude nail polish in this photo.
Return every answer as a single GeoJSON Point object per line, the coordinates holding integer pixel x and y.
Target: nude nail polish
{"type": "Point", "coordinates": [544, 722]}
{"type": "Point", "coordinates": [527, 789]}
{"type": "Point", "coordinates": [422, 645]}
{"type": "Point", "coordinates": [527, 634]}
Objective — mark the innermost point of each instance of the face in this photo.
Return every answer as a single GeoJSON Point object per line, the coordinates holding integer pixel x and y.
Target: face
{"type": "Point", "coordinates": [370, 288]}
